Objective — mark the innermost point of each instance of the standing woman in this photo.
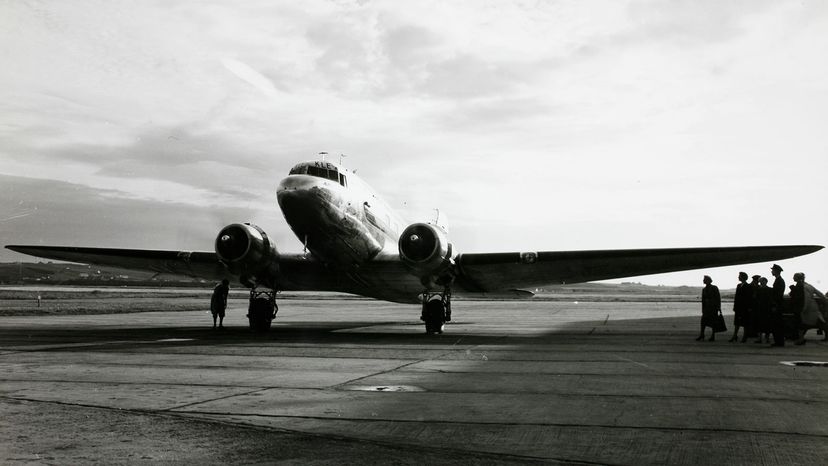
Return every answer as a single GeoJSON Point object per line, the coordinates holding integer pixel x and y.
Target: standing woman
{"type": "Point", "coordinates": [741, 307]}
{"type": "Point", "coordinates": [777, 306]}
{"type": "Point", "coordinates": [711, 305]}
{"type": "Point", "coordinates": [762, 310]}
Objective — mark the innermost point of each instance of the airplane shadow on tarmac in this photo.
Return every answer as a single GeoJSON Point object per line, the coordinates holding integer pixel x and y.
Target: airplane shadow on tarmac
{"type": "Point", "coordinates": [356, 332]}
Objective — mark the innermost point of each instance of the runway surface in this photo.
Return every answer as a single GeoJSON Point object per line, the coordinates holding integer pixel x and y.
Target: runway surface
{"type": "Point", "coordinates": [359, 382]}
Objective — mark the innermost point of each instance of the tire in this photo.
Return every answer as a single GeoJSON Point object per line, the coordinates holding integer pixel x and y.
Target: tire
{"type": "Point", "coordinates": [434, 319]}
{"type": "Point", "coordinates": [260, 314]}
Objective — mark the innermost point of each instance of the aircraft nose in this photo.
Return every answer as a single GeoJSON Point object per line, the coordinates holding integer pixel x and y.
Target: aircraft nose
{"type": "Point", "coordinates": [302, 197]}
{"type": "Point", "coordinates": [295, 182]}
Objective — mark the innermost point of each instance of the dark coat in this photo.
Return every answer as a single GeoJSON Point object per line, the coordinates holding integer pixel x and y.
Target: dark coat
{"type": "Point", "coordinates": [797, 298]}
{"type": "Point", "coordinates": [218, 302]}
{"type": "Point", "coordinates": [762, 309]}
{"type": "Point", "coordinates": [711, 304]}
{"type": "Point", "coordinates": [778, 296]}
{"type": "Point", "coordinates": [742, 304]}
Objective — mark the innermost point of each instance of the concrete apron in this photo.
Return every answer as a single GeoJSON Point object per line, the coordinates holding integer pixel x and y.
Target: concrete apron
{"type": "Point", "coordinates": [618, 383]}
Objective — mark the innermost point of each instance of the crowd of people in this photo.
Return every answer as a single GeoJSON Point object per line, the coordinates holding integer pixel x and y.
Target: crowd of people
{"type": "Point", "coordinates": [763, 312]}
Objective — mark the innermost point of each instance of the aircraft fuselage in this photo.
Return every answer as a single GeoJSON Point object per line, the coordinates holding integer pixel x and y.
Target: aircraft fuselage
{"type": "Point", "coordinates": [338, 217]}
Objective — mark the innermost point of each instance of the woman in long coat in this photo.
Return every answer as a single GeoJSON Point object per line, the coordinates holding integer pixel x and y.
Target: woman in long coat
{"type": "Point", "coordinates": [762, 310]}
{"type": "Point", "coordinates": [711, 306]}
{"type": "Point", "coordinates": [741, 307]}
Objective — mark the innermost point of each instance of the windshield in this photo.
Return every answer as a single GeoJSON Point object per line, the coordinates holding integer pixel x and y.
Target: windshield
{"type": "Point", "coordinates": [329, 172]}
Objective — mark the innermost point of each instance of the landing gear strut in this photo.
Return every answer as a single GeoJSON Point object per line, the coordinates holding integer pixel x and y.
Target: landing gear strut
{"type": "Point", "coordinates": [436, 310]}
{"type": "Point", "coordinates": [262, 309]}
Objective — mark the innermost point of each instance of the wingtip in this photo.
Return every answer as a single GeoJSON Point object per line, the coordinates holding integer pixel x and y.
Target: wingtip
{"type": "Point", "coordinates": [803, 249]}
{"type": "Point", "coordinates": [22, 249]}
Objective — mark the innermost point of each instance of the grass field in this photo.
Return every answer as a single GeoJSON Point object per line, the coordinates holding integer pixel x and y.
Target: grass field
{"type": "Point", "coordinates": [63, 300]}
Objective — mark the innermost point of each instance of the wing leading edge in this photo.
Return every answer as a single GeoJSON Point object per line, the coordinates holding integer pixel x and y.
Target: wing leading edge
{"type": "Point", "coordinates": [192, 264]}
{"type": "Point", "coordinates": [300, 273]}
{"type": "Point", "coordinates": [497, 271]}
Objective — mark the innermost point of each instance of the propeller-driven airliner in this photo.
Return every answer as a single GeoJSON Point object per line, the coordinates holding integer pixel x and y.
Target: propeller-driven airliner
{"type": "Point", "coordinates": [355, 243]}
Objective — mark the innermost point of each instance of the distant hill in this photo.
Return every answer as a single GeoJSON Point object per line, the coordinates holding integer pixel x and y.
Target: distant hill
{"type": "Point", "coordinates": [51, 273]}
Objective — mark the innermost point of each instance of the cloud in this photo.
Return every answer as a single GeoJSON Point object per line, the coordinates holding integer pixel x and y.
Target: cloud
{"type": "Point", "coordinates": [251, 76]}
{"type": "Point", "coordinates": [687, 23]}
{"type": "Point", "coordinates": [588, 124]}
{"type": "Point", "coordinates": [56, 213]}
{"type": "Point", "coordinates": [183, 165]}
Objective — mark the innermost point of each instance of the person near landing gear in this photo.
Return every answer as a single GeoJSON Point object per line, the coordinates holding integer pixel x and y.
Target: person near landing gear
{"type": "Point", "coordinates": [434, 314]}
{"type": "Point", "coordinates": [218, 302]}
{"type": "Point", "coordinates": [711, 306]}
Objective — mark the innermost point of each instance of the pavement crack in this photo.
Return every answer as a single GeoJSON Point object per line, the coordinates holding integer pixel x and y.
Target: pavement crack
{"type": "Point", "coordinates": [504, 423]}
{"type": "Point", "coordinates": [634, 362]}
{"type": "Point", "coordinates": [347, 382]}
{"type": "Point", "coordinates": [187, 405]}
{"type": "Point", "coordinates": [402, 366]}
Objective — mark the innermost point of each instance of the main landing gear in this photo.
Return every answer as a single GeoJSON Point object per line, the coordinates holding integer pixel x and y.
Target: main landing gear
{"type": "Point", "coordinates": [262, 309]}
{"type": "Point", "coordinates": [436, 310]}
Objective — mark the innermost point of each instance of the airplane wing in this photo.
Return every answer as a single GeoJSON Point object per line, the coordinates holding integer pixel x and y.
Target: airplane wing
{"type": "Point", "coordinates": [192, 264]}
{"type": "Point", "coordinates": [514, 270]}
{"type": "Point", "coordinates": [302, 274]}
{"type": "Point", "coordinates": [475, 273]}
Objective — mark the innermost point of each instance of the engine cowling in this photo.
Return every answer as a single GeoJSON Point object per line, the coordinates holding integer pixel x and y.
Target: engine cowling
{"type": "Point", "coordinates": [425, 249]}
{"type": "Point", "coordinates": [247, 251]}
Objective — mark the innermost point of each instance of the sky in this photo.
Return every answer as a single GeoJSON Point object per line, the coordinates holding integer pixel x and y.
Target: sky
{"type": "Point", "coordinates": [532, 125]}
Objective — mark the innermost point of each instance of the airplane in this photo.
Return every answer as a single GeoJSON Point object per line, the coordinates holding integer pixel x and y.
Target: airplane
{"type": "Point", "coordinates": [355, 243]}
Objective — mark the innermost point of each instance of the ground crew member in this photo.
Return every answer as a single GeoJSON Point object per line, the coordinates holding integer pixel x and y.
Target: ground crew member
{"type": "Point", "coordinates": [218, 302]}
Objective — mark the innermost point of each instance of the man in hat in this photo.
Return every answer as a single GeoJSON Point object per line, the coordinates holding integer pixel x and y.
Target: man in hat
{"type": "Point", "coordinates": [777, 300]}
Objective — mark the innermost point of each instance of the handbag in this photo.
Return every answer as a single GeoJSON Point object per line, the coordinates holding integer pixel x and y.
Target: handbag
{"type": "Point", "coordinates": [719, 323]}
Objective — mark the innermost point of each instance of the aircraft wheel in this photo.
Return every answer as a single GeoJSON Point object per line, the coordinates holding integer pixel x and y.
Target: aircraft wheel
{"type": "Point", "coordinates": [434, 320]}
{"type": "Point", "coordinates": [260, 314]}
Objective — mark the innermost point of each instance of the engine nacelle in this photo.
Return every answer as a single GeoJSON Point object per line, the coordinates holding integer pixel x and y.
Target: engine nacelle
{"type": "Point", "coordinates": [426, 250]}
{"type": "Point", "coordinates": [246, 250]}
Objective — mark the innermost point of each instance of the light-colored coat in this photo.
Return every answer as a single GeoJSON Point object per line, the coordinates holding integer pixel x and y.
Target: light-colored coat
{"type": "Point", "coordinates": [812, 310]}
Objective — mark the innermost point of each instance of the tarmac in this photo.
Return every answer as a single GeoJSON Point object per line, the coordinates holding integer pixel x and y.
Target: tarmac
{"type": "Point", "coordinates": [358, 381]}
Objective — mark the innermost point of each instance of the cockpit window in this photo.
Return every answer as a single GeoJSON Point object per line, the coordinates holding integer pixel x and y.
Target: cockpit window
{"type": "Point", "coordinates": [327, 171]}
{"type": "Point", "coordinates": [299, 170]}
{"type": "Point", "coordinates": [330, 174]}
